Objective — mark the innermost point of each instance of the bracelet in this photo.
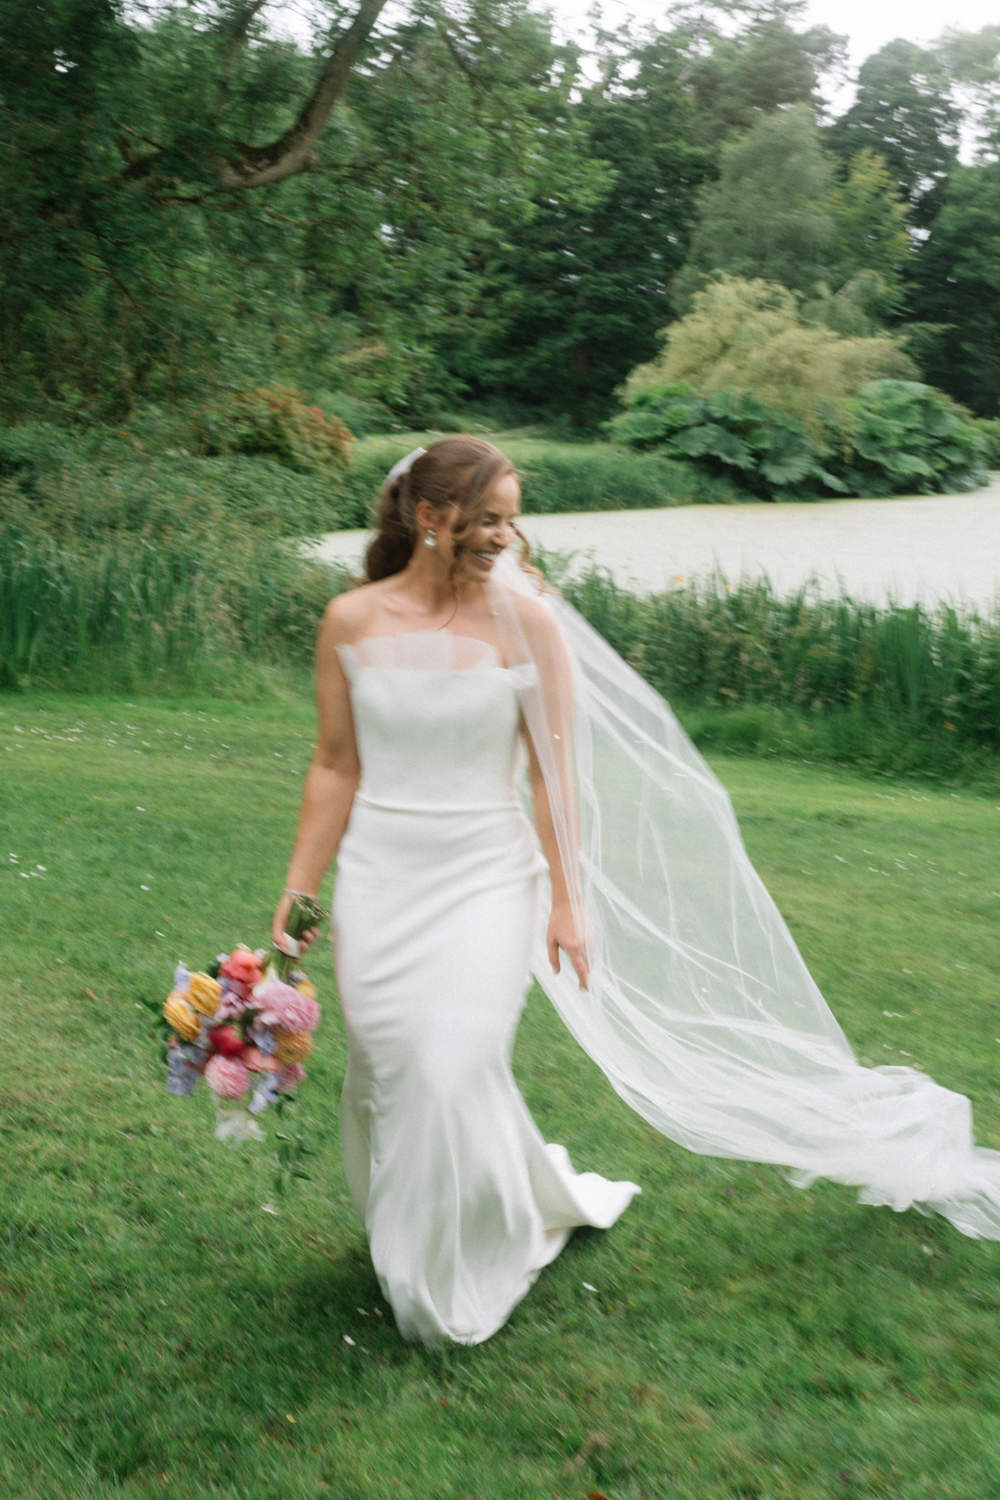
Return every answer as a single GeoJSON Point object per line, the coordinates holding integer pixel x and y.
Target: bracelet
{"type": "Point", "coordinates": [306, 895]}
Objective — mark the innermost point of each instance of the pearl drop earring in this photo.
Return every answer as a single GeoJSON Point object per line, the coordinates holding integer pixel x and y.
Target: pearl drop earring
{"type": "Point", "coordinates": [430, 540]}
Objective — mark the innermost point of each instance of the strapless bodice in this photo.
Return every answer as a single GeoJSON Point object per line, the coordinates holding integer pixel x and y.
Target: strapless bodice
{"type": "Point", "coordinates": [436, 718]}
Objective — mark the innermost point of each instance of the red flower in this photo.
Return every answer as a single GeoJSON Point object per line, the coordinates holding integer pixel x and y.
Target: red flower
{"type": "Point", "coordinates": [244, 966]}
{"type": "Point", "coordinates": [227, 1040]}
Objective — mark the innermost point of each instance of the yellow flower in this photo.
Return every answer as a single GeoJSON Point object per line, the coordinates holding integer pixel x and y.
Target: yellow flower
{"type": "Point", "coordinates": [306, 987]}
{"type": "Point", "coordinates": [179, 1013]}
{"type": "Point", "coordinates": [292, 1046]}
{"type": "Point", "coordinates": [204, 993]}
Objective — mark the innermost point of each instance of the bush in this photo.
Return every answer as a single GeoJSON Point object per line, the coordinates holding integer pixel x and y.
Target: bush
{"type": "Point", "coordinates": [909, 438]}
{"type": "Point", "coordinates": [123, 571]}
{"type": "Point", "coordinates": [751, 335]}
{"type": "Point", "coordinates": [899, 437]}
{"type": "Point", "coordinates": [128, 615]}
{"type": "Point", "coordinates": [363, 415]}
{"type": "Point", "coordinates": [731, 434]}
{"type": "Point", "coordinates": [274, 420]}
{"type": "Point", "coordinates": [556, 477]}
{"type": "Point", "coordinates": [989, 430]}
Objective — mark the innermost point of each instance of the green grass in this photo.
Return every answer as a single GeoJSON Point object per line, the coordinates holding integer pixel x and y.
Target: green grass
{"type": "Point", "coordinates": [163, 1334]}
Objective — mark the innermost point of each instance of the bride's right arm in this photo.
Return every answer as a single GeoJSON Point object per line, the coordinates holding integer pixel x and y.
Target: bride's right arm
{"type": "Point", "coordinates": [332, 778]}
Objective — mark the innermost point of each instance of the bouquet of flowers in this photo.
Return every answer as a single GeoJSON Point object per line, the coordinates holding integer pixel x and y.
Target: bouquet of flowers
{"type": "Point", "coordinates": [245, 1026]}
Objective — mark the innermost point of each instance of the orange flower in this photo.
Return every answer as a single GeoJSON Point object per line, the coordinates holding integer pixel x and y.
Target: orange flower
{"type": "Point", "coordinates": [204, 993]}
{"type": "Point", "coordinates": [179, 1013]}
{"type": "Point", "coordinates": [292, 1046]}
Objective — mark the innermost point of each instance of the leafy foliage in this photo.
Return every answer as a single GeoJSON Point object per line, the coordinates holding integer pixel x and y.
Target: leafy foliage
{"type": "Point", "coordinates": [753, 335]}
{"type": "Point", "coordinates": [767, 216]}
{"type": "Point", "coordinates": [767, 66]}
{"type": "Point", "coordinates": [955, 290]}
{"type": "Point", "coordinates": [121, 569]}
{"type": "Point", "coordinates": [276, 421]}
{"type": "Point", "coordinates": [194, 205]}
{"type": "Point", "coordinates": [897, 437]}
{"type": "Point", "coordinates": [731, 433]}
{"type": "Point", "coordinates": [573, 293]}
{"type": "Point", "coordinates": [871, 232]}
{"type": "Point", "coordinates": [989, 431]}
{"type": "Point", "coordinates": [907, 438]}
{"type": "Point", "coordinates": [895, 687]}
{"type": "Point", "coordinates": [904, 114]}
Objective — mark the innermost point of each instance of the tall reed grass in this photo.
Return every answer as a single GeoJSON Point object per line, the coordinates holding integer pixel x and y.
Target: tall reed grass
{"type": "Point", "coordinates": [127, 579]}
{"type": "Point", "coordinates": [899, 687]}
{"type": "Point", "coordinates": [136, 615]}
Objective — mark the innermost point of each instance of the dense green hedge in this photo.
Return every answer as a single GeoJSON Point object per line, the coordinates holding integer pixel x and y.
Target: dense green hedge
{"type": "Point", "coordinates": [557, 477]}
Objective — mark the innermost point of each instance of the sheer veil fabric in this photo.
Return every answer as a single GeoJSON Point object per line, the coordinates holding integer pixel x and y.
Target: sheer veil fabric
{"type": "Point", "coordinates": [700, 1009]}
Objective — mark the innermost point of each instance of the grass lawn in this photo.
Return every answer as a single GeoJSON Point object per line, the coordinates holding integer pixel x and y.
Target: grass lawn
{"type": "Point", "coordinates": [171, 1328]}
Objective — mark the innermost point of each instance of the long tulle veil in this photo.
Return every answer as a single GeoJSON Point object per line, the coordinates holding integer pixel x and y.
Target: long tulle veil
{"type": "Point", "coordinates": [700, 1009]}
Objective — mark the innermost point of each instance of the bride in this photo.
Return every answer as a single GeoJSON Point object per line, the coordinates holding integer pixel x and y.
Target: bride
{"type": "Point", "coordinates": [632, 901]}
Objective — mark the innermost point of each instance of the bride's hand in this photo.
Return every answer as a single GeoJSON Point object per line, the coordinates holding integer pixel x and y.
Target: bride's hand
{"type": "Point", "coordinates": [563, 934]}
{"type": "Point", "coordinates": [282, 940]}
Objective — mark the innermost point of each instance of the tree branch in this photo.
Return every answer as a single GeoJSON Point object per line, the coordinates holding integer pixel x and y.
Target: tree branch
{"type": "Point", "coordinates": [257, 166]}
{"type": "Point", "coordinates": [238, 164]}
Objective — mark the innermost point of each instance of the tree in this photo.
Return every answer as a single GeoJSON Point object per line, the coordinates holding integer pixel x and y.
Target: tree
{"type": "Point", "coordinates": [185, 205]}
{"type": "Point", "coordinates": [734, 80]}
{"type": "Point", "coordinates": [572, 295]}
{"type": "Point", "coordinates": [768, 216]}
{"type": "Point", "coordinates": [904, 114]}
{"type": "Point", "coordinates": [971, 60]}
{"type": "Point", "coordinates": [871, 222]}
{"type": "Point", "coordinates": [956, 290]}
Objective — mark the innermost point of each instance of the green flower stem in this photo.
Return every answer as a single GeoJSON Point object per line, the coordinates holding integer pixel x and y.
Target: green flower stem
{"type": "Point", "coordinates": [304, 913]}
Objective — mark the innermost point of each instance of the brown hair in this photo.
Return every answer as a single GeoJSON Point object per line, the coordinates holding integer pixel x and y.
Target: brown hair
{"type": "Point", "coordinates": [457, 472]}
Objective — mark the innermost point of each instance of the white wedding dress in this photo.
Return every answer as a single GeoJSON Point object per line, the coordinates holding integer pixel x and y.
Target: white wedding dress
{"type": "Point", "coordinates": [435, 914]}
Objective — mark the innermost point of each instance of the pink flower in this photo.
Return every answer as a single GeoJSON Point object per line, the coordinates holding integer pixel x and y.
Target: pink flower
{"type": "Point", "coordinates": [290, 1077]}
{"type": "Point", "coordinates": [285, 1007]}
{"type": "Point", "coordinates": [227, 1077]}
{"type": "Point", "coordinates": [232, 1004]}
{"type": "Point", "coordinates": [242, 965]}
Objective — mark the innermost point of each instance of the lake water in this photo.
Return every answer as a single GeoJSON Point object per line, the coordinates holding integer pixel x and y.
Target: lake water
{"type": "Point", "coordinates": [931, 548]}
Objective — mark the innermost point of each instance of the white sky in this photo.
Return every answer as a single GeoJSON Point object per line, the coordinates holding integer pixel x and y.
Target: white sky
{"type": "Point", "coordinates": [868, 23]}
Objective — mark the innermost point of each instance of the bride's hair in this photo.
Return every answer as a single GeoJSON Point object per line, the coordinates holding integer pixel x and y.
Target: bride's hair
{"type": "Point", "coordinates": [455, 473]}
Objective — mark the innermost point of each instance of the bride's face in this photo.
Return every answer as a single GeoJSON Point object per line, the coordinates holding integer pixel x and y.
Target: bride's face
{"type": "Point", "coordinates": [494, 528]}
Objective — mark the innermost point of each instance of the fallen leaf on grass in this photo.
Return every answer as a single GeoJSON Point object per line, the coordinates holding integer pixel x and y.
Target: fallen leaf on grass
{"type": "Point", "coordinates": [590, 1444]}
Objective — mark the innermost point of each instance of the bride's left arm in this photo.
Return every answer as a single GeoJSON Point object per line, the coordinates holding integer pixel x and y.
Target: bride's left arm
{"type": "Point", "coordinates": [548, 716]}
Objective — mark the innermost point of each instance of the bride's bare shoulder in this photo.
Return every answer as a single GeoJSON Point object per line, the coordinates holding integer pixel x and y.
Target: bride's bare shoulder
{"type": "Point", "coordinates": [536, 617]}
{"type": "Point", "coordinates": [351, 614]}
